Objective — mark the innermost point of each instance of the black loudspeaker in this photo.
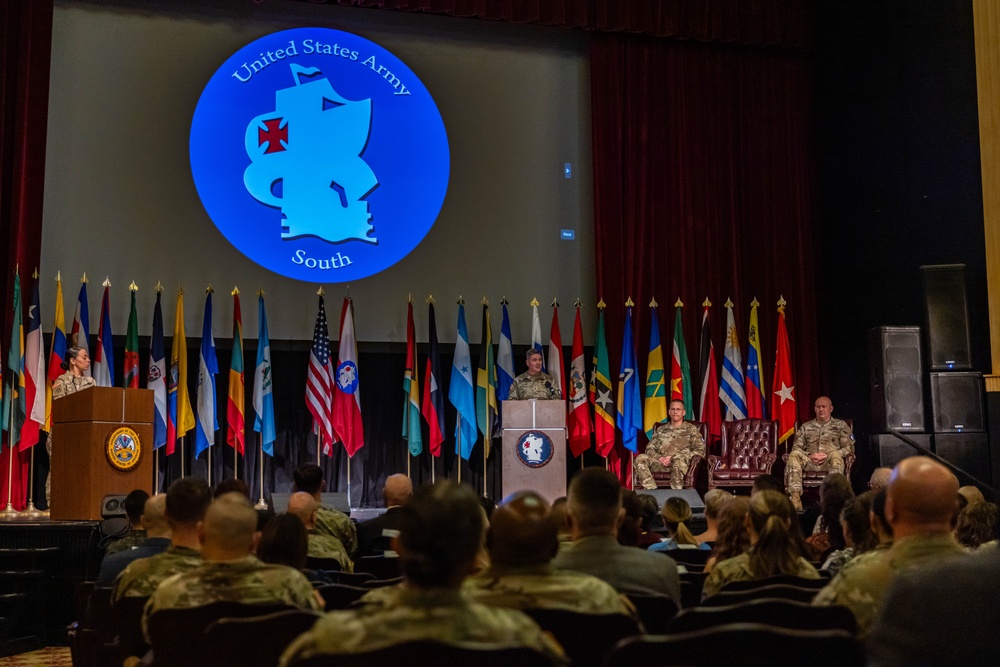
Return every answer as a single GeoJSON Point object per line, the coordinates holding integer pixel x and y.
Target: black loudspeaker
{"type": "Point", "coordinates": [957, 402]}
{"type": "Point", "coordinates": [891, 450]}
{"type": "Point", "coordinates": [690, 495]}
{"type": "Point", "coordinates": [968, 451]}
{"type": "Point", "coordinates": [113, 506]}
{"type": "Point", "coordinates": [947, 317]}
{"type": "Point", "coordinates": [337, 501]}
{"type": "Point", "coordinates": [896, 379]}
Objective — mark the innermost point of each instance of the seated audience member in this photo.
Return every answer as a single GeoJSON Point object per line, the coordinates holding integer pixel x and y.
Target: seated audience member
{"type": "Point", "coordinates": [828, 535]}
{"type": "Point", "coordinates": [649, 514]}
{"type": "Point", "coordinates": [773, 550]}
{"type": "Point", "coordinates": [631, 525]}
{"type": "Point", "coordinates": [522, 542]}
{"type": "Point", "coordinates": [284, 541]}
{"type": "Point", "coordinates": [154, 520]}
{"type": "Point", "coordinates": [942, 614]}
{"type": "Point", "coordinates": [440, 536]}
{"type": "Point", "coordinates": [879, 479]}
{"type": "Point", "coordinates": [977, 525]}
{"type": "Point", "coordinates": [595, 513]}
{"type": "Point", "coordinates": [971, 494]}
{"type": "Point", "coordinates": [321, 545]}
{"type": "Point", "coordinates": [229, 571]}
{"type": "Point", "coordinates": [375, 535]}
{"type": "Point", "coordinates": [920, 504]}
{"type": "Point", "coordinates": [676, 513]}
{"type": "Point", "coordinates": [881, 530]}
{"type": "Point", "coordinates": [766, 483]}
{"type": "Point", "coordinates": [309, 479]}
{"type": "Point", "coordinates": [855, 523]}
{"type": "Point", "coordinates": [134, 504]}
{"type": "Point", "coordinates": [733, 537]}
{"type": "Point", "coordinates": [561, 520]}
{"type": "Point", "coordinates": [231, 486]}
{"type": "Point", "coordinates": [187, 501]}
{"type": "Point", "coordinates": [714, 500]}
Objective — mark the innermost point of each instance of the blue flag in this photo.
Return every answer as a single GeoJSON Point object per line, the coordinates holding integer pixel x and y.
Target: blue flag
{"type": "Point", "coordinates": [505, 359]}
{"type": "Point", "coordinates": [629, 403]}
{"type": "Point", "coordinates": [461, 392]}
{"type": "Point", "coordinates": [208, 368]}
{"type": "Point", "coordinates": [263, 398]}
{"type": "Point", "coordinates": [157, 377]}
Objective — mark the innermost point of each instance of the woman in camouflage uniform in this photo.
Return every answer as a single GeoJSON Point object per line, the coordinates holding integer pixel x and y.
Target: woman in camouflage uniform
{"type": "Point", "coordinates": [73, 380]}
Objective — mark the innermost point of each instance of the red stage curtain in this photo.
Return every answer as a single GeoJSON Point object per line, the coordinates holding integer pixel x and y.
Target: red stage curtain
{"type": "Point", "coordinates": [783, 23]}
{"type": "Point", "coordinates": [704, 186]}
{"type": "Point", "coordinates": [25, 44]}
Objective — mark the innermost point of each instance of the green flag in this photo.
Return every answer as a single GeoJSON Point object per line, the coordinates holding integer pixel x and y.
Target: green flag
{"type": "Point", "coordinates": [680, 368]}
{"type": "Point", "coordinates": [13, 397]}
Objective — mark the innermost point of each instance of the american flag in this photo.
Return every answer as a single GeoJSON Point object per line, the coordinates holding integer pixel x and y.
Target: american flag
{"type": "Point", "coordinates": [319, 382]}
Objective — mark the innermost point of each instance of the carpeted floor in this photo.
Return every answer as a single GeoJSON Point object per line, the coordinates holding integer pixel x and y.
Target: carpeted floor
{"type": "Point", "coordinates": [53, 656]}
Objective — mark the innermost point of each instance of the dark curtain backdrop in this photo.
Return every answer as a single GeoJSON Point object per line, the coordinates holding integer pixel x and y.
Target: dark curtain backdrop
{"type": "Point", "coordinates": [25, 53]}
{"type": "Point", "coordinates": [704, 187]}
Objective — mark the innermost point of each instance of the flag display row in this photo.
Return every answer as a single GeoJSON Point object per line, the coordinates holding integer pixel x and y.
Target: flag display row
{"type": "Point", "coordinates": [597, 408]}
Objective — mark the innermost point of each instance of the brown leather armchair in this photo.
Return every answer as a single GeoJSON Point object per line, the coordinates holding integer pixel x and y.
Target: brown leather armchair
{"type": "Point", "coordinates": [748, 449]}
{"type": "Point", "coordinates": [663, 478]}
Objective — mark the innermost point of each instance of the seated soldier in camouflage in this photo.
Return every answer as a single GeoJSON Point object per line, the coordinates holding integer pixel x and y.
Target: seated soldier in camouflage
{"type": "Point", "coordinates": [673, 445]}
{"type": "Point", "coordinates": [187, 501]}
{"type": "Point", "coordinates": [135, 503]}
{"type": "Point", "coordinates": [440, 536]}
{"type": "Point", "coordinates": [820, 444]}
{"type": "Point", "coordinates": [309, 478]}
{"type": "Point", "coordinates": [522, 541]}
{"type": "Point", "coordinates": [229, 571]}
{"type": "Point", "coordinates": [534, 382]}
{"type": "Point", "coordinates": [321, 545]}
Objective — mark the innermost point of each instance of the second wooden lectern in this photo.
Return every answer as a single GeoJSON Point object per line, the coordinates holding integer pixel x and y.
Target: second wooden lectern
{"type": "Point", "coordinates": [534, 447]}
{"type": "Point", "coordinates": [82, 473]}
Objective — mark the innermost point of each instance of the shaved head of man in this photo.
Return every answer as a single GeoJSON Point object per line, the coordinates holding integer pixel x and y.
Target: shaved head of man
{"type": "Point", "coordinates": [229, 531]}
{"type": "Point", "coordinates": [304, 506]}
{"type": "Point", "coordinates": [921, 497]}
{"type": "Point", "coordinates": [522, 531]}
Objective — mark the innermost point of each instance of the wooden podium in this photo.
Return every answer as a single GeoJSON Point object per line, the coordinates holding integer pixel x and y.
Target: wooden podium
{"type": "Point", "coordinates": [524, 425]}
{"type": "Point", "coordinates": [81, 472]}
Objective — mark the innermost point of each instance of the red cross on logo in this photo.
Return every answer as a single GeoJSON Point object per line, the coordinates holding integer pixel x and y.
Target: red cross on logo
{"type": "Point", "coordinates": [273, 136]}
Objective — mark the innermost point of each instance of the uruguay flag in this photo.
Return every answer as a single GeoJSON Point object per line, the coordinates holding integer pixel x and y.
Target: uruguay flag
{"type": "Point", "coordinates": [629, 405]}
{"type": "Point", "coordinates": [505, 359]}
{"type": "Point", "coordinates": [263, 399]}
{"type": "Point", "coordinates": [461, 392]}
{"type": "Point", "coordinates": [104, 360]}
{"type": "Point", "coordinates": [156, 379]}
{"type": "Point", "coordinates": [731, 387]}
{"type": "Point", "coordinates": [208, 367]}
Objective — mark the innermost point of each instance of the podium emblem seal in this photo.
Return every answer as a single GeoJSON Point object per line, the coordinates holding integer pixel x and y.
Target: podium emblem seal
{"type": "Point", "coordinates": [534, 449]}
{"type": "Point", "coordinates": [123, 448]}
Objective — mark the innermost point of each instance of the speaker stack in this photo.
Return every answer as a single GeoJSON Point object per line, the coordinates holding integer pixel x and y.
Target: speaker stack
{"type": "Point", "coordinates": [956, 391]}
{"type": "Point", "coordinates": [897, 391]}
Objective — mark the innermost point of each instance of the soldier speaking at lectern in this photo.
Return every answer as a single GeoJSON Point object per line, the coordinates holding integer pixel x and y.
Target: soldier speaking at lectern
{"type": "Point", "coordinates": [534, 383]}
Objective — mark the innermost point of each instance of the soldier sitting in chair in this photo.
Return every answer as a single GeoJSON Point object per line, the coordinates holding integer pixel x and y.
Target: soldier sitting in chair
{"type": "Point", "coordinates": [673, 445]}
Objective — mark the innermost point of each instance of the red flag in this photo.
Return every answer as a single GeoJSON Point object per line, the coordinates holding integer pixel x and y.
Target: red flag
{"type": "Point", "coordinates": [346, 386]}
{"type": "Point", "coordinates": [708, 406]}
{"type": "Point", "coordinates": [783, 404]}
{"type": "Point", "coordinates": [556, 363]}
{"type": "Point", "coordinates": [235, 421]}
{"type": "Point", "coordinates": [433, 406]}
{"type": "Point", "coordinates": [579, 408]}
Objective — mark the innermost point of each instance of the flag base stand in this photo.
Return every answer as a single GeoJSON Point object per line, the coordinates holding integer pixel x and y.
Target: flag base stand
{"type": "Point", "coordinates": [32, 512]}
{"type": "Point", "coordinates": [9, 513]}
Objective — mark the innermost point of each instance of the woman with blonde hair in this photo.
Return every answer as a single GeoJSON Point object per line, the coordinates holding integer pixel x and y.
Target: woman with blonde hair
{"type": "Point", "coordinates": [774, 547]}
{"type": "Point", "coordinates": [676, 513]}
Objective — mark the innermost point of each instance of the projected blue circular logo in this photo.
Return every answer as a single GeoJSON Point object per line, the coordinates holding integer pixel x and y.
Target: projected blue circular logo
{"type": "Point", "coordinates": [319, 155]}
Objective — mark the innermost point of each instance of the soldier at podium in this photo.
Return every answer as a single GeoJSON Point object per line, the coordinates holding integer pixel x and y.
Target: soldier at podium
{"type": "Point", "coordinates": [534, 383]}
{"type": "Point", "coordinates": [73, 380]}
{"type": "Point", "coordinates": [670, 450]}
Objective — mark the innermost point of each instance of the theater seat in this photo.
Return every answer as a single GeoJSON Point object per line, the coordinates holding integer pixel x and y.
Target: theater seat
{"type": "Point", "coordinates": [584, 637]}
{"type": "Point", "coordinates": [255, 641]}
{"type": "Point", "coordinates": [747, 450]}
{"type": "Point", "coordinates": [432, 653]}
{"type": "Point", "coordinates": [662, 479]}
{"type": "Point", "coordinates": [771, 611]}
{"type": "Point", "coordinates": [740, 645]}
